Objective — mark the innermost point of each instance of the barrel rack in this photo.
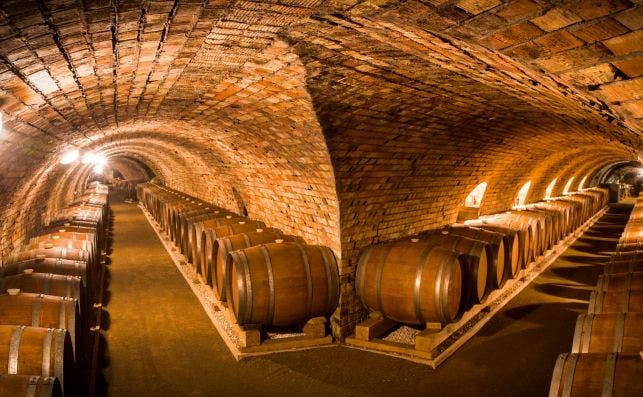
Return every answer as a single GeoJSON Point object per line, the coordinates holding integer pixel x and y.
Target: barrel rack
{"type": "Point", "coordinates": [434, 344]}
{"type": "Point", "coordinates": [246, 341]}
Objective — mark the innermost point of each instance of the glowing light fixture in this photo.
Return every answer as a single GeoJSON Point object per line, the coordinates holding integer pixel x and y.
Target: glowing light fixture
{"type": "Point", "coordinates": [69, 156]}
{"type": "Point", "coordinates": [99, 162]}
{"type": "Point", "coordinates": [88, 157]}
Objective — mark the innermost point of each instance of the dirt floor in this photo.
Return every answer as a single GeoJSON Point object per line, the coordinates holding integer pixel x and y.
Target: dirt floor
{"type": "Point", "coordinates": [161, 343]}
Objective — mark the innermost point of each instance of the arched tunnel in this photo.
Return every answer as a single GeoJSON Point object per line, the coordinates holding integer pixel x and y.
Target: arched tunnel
{"type": "Point", "coordinates": [351, 125]}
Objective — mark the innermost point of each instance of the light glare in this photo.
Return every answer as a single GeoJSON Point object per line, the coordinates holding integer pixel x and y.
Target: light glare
{"type": "Point", "coordinates": [69, 156]}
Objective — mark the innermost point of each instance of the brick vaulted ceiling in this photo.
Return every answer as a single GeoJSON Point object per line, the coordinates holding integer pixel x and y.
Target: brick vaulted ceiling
{"type": "Point", "coordinates": [345, 122]}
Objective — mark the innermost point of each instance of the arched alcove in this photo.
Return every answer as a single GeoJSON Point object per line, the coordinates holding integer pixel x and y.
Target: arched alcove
{"type": "Point", "coordinates": [550, 188]}
{"type": "Point", "coordinates": [521, 197]}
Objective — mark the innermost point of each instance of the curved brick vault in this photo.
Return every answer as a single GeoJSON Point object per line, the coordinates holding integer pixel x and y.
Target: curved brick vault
{"type": "Point", "coordinates": [347, 123]}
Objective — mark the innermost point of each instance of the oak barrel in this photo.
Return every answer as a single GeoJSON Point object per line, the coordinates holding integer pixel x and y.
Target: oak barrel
{"type": "Point", "coordinates": [597, 374]}
{"type": "Point", "coordinates": [515, 229]}
{"type": "Point", "coordinates": [38, 351]}
{"type": "Point", "coordinates": [29, 386]}
{"type": "Point", "coordinates": [283, 284]}
{"type": "Point", "coordinates": [608, 332]}
{"type": "Point", "coordinates": [220, 262]}
{"type": "Point", "coordinates": [620, 282]}
{"type": "Point", "coordinates": [506, 257]}
{"type": "Point", "coordinates": [201, 246]}
{"type": "Point", "coordinates": [47, 284]}
{"type": "Point", "coordinates": [615, 302]}
{"type": "Point", "coordinates": [52, 252]}
{"type": "Point", "coordinates": [478, 265]}
{"type": "Point", "coordinates": [63, 267]}
{"type": "Point", "coordinates": [42, 311]}
{"type": "Point", "coordinates": [411, 282]}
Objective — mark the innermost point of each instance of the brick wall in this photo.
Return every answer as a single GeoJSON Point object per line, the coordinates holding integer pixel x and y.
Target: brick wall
{"type": "Point", "coordinates": [346, 123]}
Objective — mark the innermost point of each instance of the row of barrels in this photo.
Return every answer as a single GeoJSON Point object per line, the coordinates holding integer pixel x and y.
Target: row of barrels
{"type": "Point", "coordinates": [265, 277]}
{"type": "Point", "coordinates": [47, 290]}
{"type": "Point", "coordinates": [606, 358]}
{"type": "Point", "coordinates": [436, 276]}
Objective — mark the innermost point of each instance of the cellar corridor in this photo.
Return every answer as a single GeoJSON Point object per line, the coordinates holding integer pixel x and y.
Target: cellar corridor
{"type": "Point", "coordinates": [161, 343]}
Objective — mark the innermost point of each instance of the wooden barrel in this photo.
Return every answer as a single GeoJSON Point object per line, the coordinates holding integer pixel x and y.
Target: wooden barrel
{"type": "Point", "coordinates": [478, 265]}
{"type": "Point", "coordinates": [542, 224]}
{"type": "Point", "coordinates": [71, 245]}
{"type": "Point", "coordinates": [71, 232]}
{"type": "Point", "coordinates": [625, 247]}
{"type": "Point", "coordinates": [63, 233]}
{"type": "Point", "coordinates": [615, 302]}
{"type": "Point", "coordinates": [561, 211]}
{"type": "Point", "coordinates": [506, 256]}
{"type": "Point", "coordinates": [220, 262]}
{"type": "Point", "coordinates": [47, 284]}
{"type": "Point", "coordinates": [42, 311]}
{"type": "Point", "coordinates": [411, 283]}
{"type": "Point", "coordinates": [509, 228]}
{"type": "Point", "coordinates": [202, 246]}
{"type": "Point", "coordinates": [608, 332]}
{"type": "Point", "coordinates": [184, 232]}
{"type": "Point", "coordinates": [228, 220]}
{"type": "Point", "coordinates": [624, 266]}
{"type": "Point", "coordinates": [535, 227]}
{"type": "Point", "coordinates": [38, 351]}
{"type": "Point", "coordinates": [283, 284]}
{"type": "Point", "coordinates": [29, 386]}
{"type": "Point", "coordinates": [620, 282]}
{"type": "Point", "coordinates": [189, 231]}
{"type": "Point", "coordinates": [88, 238]}
{"type": "Point", "coordinates": [51, 252]}
{"type": "Point", "coordinates": [597, 374]}
{"type": "Point", "coordinates": [62, 267]}
{"type": "Point", "coordinates": [553, 224]}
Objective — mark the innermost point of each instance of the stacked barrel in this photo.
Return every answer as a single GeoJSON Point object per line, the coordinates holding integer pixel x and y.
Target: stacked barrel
{"type": "Point", "coordinates": [606, 356]}
{"type": "Point", "coordinates": [436, 276]}
{"type": "Point", "coordinates": [264, 277]}
{"type": "Point", "coordinates": [47, 291]}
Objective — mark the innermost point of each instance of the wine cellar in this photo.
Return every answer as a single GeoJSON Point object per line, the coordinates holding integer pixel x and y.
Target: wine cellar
{"type": "Point", "coordinates": [313, 198]}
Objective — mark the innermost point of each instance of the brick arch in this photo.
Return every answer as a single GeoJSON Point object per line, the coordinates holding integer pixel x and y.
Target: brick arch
{"type": "Point", "coordinates": [128, 167]}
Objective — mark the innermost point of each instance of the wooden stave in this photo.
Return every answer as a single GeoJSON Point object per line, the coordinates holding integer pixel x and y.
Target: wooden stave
{"type": "Point", "coordinates": [448, 263]}
{"type": "Point", "coordinates": [60, 362]}
{"type": "Point", "coordinates": [243, 304]}
{"type": "Point", "coordinates": [476, 255]}
{"type": "Point", "coordinates": [29, 386]}
{"type": "Point", "coordinates": [608, 332]}
{"type": "Point", "coordinates": [220, 261]}
{"type": "Point", "coordinates": [45, 311]}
